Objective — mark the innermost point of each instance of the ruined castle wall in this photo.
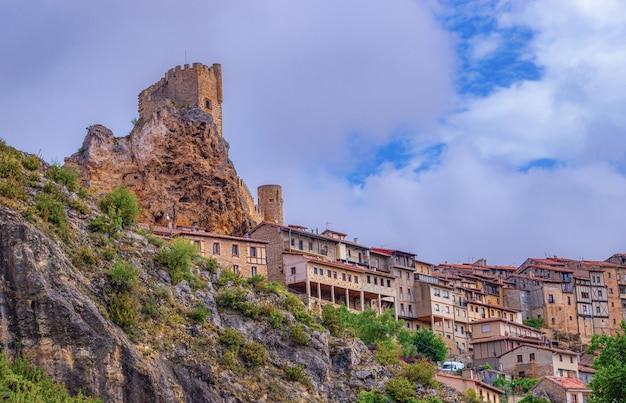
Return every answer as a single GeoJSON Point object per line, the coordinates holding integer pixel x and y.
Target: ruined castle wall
{"type": "Point", "coordinates": [254, 211]}
{"type": "Point", "coordinates": [271, 203]}
{"type": "Point", "coordinates": [195, 85]}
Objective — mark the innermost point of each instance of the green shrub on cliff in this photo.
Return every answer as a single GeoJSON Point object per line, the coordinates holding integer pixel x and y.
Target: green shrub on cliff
{"type": "Point", "coordinates": [19, 382]}
{"type": "Point", "coordinates": [63, 175]}
{"type": "Point", "coordinates": [123, 203]}
{"type": "Point", "coordinates": [178, 256]}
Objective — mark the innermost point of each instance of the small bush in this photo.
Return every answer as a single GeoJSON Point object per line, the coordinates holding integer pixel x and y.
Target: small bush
{"type": "Point", "coordinates": [195, 282]}
{"type": "Point", "coordinates": [177, 256]}
{"type": "Point", "coordinates": [12, 189]}
{"type": "Point", "coordinates": [229, 359]}
{"type": "Point", "coordinates": [253, 354]}
{"type": "Point", "coordinates": [292, 302]}
{"type": "Point", "coordinates": [372, 396]}
{"type": "Point", "coordinates": [249, 309]}
{"type": "Point", "coordinates": [85, 257]}
{"type": "Point", "coordinates": [156, 241]}
{"type": "Point", "coordinates": [231, 338]}
{"type": "Point", "coordinates": [470, 396]}
{"type": "Point", "coordinates": [401, 389]}
{"type": "Point", "coordinates": [387, 352]}
{"type": "Point", "coordinates": [200, 313]}
{"type": "Point", "coordinates": [123, 276]}
{"type": "Point", "coordinates": [63, 175]}
{"type": "Point", "coordinates": [331, 319]}
{"type": "Point", "coordinates": [227, 276]}
{"type": "Point", "coordinates": [31, 162]}
{"type": "Point", "coordinates": [123, 309]}
{"type": "Point", "coordinates": [298, 374]}
{"type": "Point", "coordinates": [124, 203]}
{"type": "Point", "coordinates": [109, 223]}
{"type": "Point", "coordinates": [276, 318]}
{"type": "Point", "coordinates": [78, 206]}
{"type": "Point", "coordinates": [298, 334]}
{"type": "Point", "coordinates": [50, 209]}
{"type": "Point", "coordinates": [422, 372]}
{"type": "Point", "coordinates": [256, 281]}
{"type": "Point", "coordinates": [10, 167]}
{"type": "Point", "coordinates": [231, 297]}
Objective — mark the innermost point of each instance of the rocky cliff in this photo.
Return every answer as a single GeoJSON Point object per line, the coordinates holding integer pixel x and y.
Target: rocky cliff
{"type": "Point", "coordinates": [177, 164]}
{"type": "Point", "coordinates": [58, 299]}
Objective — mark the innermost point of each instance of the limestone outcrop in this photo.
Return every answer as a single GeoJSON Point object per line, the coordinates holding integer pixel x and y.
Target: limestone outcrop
{"type": "Point", "coordinates": [177, 164]}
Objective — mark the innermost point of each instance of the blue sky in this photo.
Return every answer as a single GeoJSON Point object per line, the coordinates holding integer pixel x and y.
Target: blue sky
{"type": "Point", "coordinates": [452, 129]}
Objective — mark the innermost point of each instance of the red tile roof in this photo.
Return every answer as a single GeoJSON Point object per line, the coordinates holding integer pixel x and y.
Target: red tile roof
{"type": "Point", "coordinates": [568, 383]}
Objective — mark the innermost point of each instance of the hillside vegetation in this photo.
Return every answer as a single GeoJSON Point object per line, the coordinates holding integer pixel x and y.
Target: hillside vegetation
{"type": "Point", "coordinates": [120, 315]}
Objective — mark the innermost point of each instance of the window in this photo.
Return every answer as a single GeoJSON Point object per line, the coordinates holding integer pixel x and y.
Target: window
{"type": "Point", "coordinates": [437, 307]}
{"type": "Point", "coordinates": [356, 279]}
{"type": "Point", "coordinates": [610, 290]}
{"type": "Point", "coordinates": [369, 280]}
{"type": "Point", "coordinates": [310, 245]}
{"type": "Point", "coordinates": [300, 244]}
{"type": "Point", "coordinates": [402, 307]}
{"type": "Point", "coordinates": [609, 273]}
{"type": "Point", "coordinates": [437, 292]}
{"type": "Point", "coordinates": [584, 295]}
{"type": "Point", "coordinates": [569, 300]}
{"type": "Point", "coordinates": [343, 276]}
{"type": "Point", "coordinates": [330, 274]}
{"type": "Point", "coordinates": [334, 274]}
{"type": "Point", "coordinates": [216, 248]}
{"type": "Point", "coordinates": [584, 308]}
{"type": "Point", "coordinates": [597, 309]}
{"type": "Point", "coordinates": [561, 357]}
{"type": "Point", "coordinates": [519, 358]}
{"type": "Point", "coordinates": [252, 251]}
{"type": "Point", "coordinates": [550, 298]}
{"type": "Point", "coordinates": [375, 280]}
{"type": "Point", "coordinates": [408, 290]}
{"type": "Point", "coordinates": [321, 271]}
{"type": "Point", "coordinates": [462, 329]}
{"type": "Point", "coordinates": [236, 268]}
{"type": "Point", "coordinates": [400, 290]}
{"type": "Point", "coordinates": [235, 250]}
{"type": "Point", "coordinates": [315, 270]}
{"type": "Point", "coordinates": [571, 359]}
{"type": "Point", "coordinates": [410, 308]}
{"type": "Point", "coordinates": [293, 270]}
{"type": "Point", "coordinates": [485, 328]}
{"type": "Point", "coordinates": [446, 294]}
{"type": "Point", "coordinates": [599, 293]}
{"type": "Point", "coordinates": [207, 103]}
{"type": "Point", "coordinates": [554, 321]}
{"type": "Point", "coordinates": [253, 270]}
{"type": "Point", "coordinates": [389, 283]}
{"type": "Point", "coordinates": [293, 241]}
{"type": "Point", "coordinates": [349, 277]}
{"type": "Point", "coordinates": [447, 309]}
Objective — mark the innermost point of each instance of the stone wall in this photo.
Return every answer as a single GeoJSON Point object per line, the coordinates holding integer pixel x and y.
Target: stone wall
{"type": "Point", "coordinates": [196, 85]}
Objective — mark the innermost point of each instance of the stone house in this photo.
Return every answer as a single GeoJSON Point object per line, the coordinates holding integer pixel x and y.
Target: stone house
{"type": "Point", "coordinates": [323, 281]}
{"type": "Point", "coordinates": [533, 361]}
{"type": "Point", "coordinates": [242, 255]}
{"type": "Point", "coordinates": [558, 389]}
{"type": "Point", "coordinates": [487, 392]}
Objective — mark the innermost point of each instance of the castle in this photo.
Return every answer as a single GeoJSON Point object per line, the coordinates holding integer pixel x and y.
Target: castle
{"type": "Point", "coordinates": [198, 85]}
{"type": "Point", "coordinates": [193, 86]}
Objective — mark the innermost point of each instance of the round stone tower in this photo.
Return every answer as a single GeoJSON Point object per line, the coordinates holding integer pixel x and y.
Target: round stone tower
{"type": "Point", "coordinates": [271, 203]}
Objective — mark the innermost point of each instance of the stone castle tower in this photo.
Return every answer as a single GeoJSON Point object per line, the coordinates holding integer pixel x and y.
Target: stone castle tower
{"type": "Point", "coordinates": [196, 85]}
{"type": "Point", "coordinates": [271, 203]}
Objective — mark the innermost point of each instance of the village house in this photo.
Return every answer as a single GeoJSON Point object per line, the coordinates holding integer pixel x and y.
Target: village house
{"type": "Point", "coordinates": [558, 389]}
{"type": "Point", "coordinates": [534, 361]}
{"type": "Point", "coordinates": [242, 255]}
{"type": "Point", "coordinates": [488, 393]}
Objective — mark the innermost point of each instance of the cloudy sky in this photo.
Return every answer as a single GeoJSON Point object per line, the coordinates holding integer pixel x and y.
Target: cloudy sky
{"type": "Point", "coordinates": [455, 130]}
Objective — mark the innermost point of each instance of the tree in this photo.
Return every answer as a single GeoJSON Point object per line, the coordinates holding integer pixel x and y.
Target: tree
{"type": "Point", "coordinates": [369, 327]}
{"type": "Point", "coordinates": [425, 342]}
{"type": "Point", "coordinates": [609, 382]}
{"type": "Point", "coordinates": [534, 322]}
{"type": "Point", "coordinates": [122, 203]}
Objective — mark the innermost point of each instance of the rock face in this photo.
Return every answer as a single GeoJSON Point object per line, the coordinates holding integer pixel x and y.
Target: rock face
{"type": "Point", "coordinates": [45, 316]}
{"type": "Point", "coordinates": [52, 311]}
{"type": "Point", "coordinates": [177, 164]}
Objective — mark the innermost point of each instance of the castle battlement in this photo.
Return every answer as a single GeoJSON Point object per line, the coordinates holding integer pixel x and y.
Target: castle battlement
{"type": "Point", "coordinates": [195, 85]}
